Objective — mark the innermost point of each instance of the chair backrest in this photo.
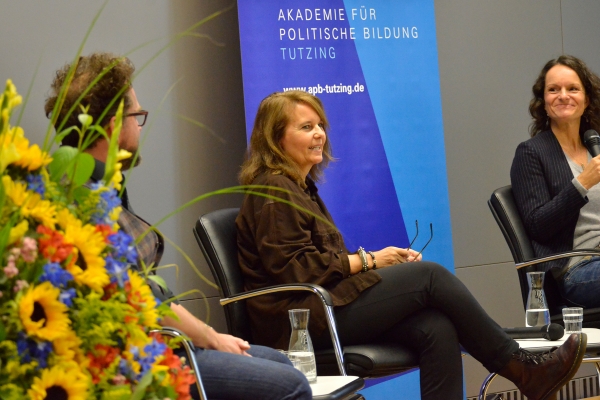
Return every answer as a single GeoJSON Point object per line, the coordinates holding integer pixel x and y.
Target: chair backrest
{"type": "Point", "coordinates": [503, 207]}
{"type": "Point", "coordinates": [216, 236]}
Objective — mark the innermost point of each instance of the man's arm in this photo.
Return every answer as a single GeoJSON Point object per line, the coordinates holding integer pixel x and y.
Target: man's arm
{"type": "Point", "coordinates": [203, 335]}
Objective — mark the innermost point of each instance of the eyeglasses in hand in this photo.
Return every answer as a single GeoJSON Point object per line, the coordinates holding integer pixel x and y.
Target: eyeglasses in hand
{"type": "Point", "coordinates": [415, 238]}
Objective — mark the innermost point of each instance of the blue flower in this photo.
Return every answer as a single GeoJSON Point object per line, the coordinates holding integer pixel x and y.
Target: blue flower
{"type": "Point", "coordinates": [124, 367]}
{"type": "Point", "coordinates": [145, 365]}
{"type": "Point", "coordinates": [123, 246]}
{"type": "Point", "coordinates": [66, 296]}
{"type": "Point", "coordinates": [155, 348]}
{"type": "Point", "coordinates": [107, 201]}
{"type": "Point", "coordinates": [117, 271]}
{"type": "Point", "coordinates": [32, 350]}
{"type": "Point", "coordinates": [96, 186]}
{"type": "Point", "coordinates": [57, 276]}
{"type": "Point", "coordinates": [110, 199]}
{"type": "Point", "coordinates": [35, 183]}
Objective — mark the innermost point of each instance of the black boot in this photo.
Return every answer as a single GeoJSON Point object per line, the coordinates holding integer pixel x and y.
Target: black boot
{"type": "Point", "coordinates": [541, 376]}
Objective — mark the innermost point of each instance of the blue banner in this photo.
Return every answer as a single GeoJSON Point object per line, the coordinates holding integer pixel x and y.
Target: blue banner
{"type": "Point", "coordinates": [374, 65]}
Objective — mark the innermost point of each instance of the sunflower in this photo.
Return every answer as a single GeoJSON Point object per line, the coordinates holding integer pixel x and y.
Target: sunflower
{"type": "Point", "coordinates": [8, 152]}
{"type": "Point", "coordinates": [68, 348]}
{"type": "Point", "coordinates": [60, 383]}
{"type": "Point", "coordinates": [42, 314]}
{"type": "Point", "coordinates": [31, 157]}
{"type": "Point", "coordinates": [88, 269]}
{"type": "Point", "coordinates": [31, 203]}
{"type": "Point", "coordinates": [140, 297]}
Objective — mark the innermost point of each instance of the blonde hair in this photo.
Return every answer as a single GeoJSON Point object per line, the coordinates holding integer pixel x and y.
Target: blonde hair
{"type": "Point", "coordinates": [265, 153]}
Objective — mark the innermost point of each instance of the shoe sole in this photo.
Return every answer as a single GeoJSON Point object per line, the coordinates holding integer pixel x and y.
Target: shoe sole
{"type": "Point", "coordinates": [580, 353]}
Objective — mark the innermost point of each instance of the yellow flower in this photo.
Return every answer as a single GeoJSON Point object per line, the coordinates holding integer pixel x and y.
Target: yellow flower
{"type": "Point", "coordinates": [15, 149]}
{"type": "Point", "coordinates": [68, 348]}
{"type": "Point", "coordinates": [10, 99]}
{"type": "Point", "coordinates": [18, 231]}
{"type": "Point", "coordinates": [140, 297]}
{"type": "Point", "coordinates": [60, 383]}
{"type": "Point", "coordinates": [42, 314]}
{"type": "Point", "coordinates": [89, 243]}
{"type": "Point", "coordinates": [8, 153]}
{"type": "Point", "coordinates": [14, 99]}
{"type": "Point", "coordinates": [16, 191]}
{"type": "Point", "coordinates": [31, 203]}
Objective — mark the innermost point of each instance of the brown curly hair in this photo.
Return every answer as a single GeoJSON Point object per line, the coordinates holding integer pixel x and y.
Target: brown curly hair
{"type": "Point", "coordinates": [591, 85]}
{"type": "Point", "coordinates": [265, 153]}
{"type": "Point", "coordinates": [114, 83]}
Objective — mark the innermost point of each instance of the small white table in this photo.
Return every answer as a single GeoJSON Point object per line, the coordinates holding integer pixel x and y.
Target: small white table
{"type": "Point", "coordinates": [536, 345]}
{"type": "Point", "coordinates": [335, 387]}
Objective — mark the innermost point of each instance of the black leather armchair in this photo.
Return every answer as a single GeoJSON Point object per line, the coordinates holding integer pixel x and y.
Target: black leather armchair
{"type": "Point", "coordinates": [506, 214]}
{"type": "Point", "coordinates": [216, 236]}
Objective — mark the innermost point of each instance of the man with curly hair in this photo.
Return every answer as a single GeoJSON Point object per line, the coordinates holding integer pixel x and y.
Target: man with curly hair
{"type": "Point", "coordinates": [230, 367]}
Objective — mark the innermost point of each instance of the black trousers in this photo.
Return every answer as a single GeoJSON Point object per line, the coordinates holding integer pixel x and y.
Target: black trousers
{"type": "Point", "coordinates": [425, 307]}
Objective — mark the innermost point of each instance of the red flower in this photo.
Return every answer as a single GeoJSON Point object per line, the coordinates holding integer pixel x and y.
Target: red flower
{"type": "Point", "coordinates": [101, 359]}
{"type": "Point", "coordinates": [183, 379]}
{"type": "Point", "coordinates": [181, 376]}
{"type": "Point", "coordinates": [51, 245]}
{"type": "Point", "coordinates": [105, 231]}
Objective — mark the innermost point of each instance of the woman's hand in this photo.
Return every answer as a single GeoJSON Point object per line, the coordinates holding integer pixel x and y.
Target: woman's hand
{"type": "Point", "coordinates": [590, 176]}
{"type": "Point", "coordinates": [230, 344]}
{"type": "Point", "coordinates": [395, 255]}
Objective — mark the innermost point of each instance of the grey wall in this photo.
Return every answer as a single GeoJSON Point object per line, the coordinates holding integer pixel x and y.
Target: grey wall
{"type": "Point", "coordinates": [489, 55]}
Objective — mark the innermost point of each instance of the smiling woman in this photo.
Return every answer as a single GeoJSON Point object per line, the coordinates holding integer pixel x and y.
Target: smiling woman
{"type": "Point", "coordinates": [555, 179]}
{"type": "Point", "coordinates": [398, 297]}
{"type": "Point", "coordinates": [304, 138]}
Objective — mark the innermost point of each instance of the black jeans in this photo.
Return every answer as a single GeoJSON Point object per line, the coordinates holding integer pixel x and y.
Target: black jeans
{"type": "Point", "coordinates": [425, 307]}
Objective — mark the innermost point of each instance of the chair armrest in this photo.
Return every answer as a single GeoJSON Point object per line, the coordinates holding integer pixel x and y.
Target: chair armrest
{"type": "Point", "coordinates": [289, 287]}
{"type": "Point", "coordinates": [191, 353]}
{"type": "Point", "coordinates": [557, 256]}
{"type": "Point", "coordinates": [302, 287]}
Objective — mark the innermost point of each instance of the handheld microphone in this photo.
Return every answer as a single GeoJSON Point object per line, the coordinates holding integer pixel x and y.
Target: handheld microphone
{"type": "Point", "coordinates": [591, 140]}
{"type": "Point", "coordinates": [548, 332]}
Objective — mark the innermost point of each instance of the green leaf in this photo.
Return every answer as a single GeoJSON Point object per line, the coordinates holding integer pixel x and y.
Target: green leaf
{"type": "Point", "coordinates": [84, 165]}
{"type": "Point", "coordinates": [61, 159]}
{"type": "Point", "coordinates": [85, 120]}
{"type": "Point", "coordinates": [118, 392]}
{"type": "Point", "coordinates": [59, 136]}
{"type": "Point", "coordinates": [2, 195]}
{"type": "Point", "coordinates": [69, 160]}
{"type": "Point", "coordinates": [2, 331]}
{"type": "Point", "coordinates": [81, 193]}
{"type": "Point", "coordinates": [159, 280]}
{"type": "Point", "coordinates": [140, 389]}
{"type": "Point", "coordinates": [5, 232]}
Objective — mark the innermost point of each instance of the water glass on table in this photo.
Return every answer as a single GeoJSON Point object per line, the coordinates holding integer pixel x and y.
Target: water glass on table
{"type": "Point", "coordinates": [573, 319]}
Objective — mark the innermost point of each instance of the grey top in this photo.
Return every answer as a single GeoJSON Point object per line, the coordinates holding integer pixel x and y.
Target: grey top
{"type": "Point", "coordinates": [587, 230]}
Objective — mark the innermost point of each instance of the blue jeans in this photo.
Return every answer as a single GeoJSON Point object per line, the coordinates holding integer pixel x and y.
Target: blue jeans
{"type": "Point", "coordinates": [268, 375]}
{"type": "Point", "coordinates": [581, 283]}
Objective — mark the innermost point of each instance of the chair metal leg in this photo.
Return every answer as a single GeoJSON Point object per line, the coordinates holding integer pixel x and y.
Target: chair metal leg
{"type": "Point", "coordinates": [191, 356]}
{"type": "Point", "coordinates": [485, 386]}
{"type": "Point", "coordinates": [597, 365]}
{"type": "Point", "coordinates": [337, 347]}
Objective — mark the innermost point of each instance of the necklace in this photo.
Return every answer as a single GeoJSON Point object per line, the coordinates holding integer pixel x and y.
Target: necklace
{"type": "Point", "coordinates": [574, 157]}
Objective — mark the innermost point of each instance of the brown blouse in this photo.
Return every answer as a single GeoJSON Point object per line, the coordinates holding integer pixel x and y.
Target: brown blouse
{"type": "Point", "coordinates": [278, 244]}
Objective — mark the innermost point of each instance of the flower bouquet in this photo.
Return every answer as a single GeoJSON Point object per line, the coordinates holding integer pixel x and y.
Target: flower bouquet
{"type": "Point", "coordinates": [75, 321]}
